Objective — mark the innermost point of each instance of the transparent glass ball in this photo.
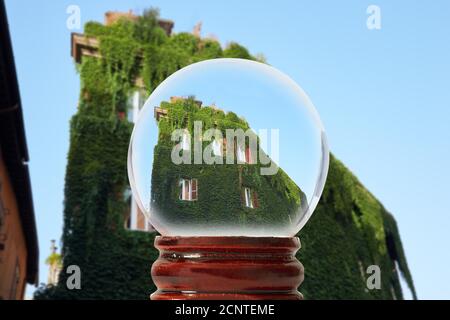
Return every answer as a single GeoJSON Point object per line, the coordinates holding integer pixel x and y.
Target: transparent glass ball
{"type": "Point", "coordinates": [228, 147]}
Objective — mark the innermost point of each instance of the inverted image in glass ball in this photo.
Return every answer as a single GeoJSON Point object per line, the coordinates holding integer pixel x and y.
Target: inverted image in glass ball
{"type": "Point", "coordinates": [228, 147]}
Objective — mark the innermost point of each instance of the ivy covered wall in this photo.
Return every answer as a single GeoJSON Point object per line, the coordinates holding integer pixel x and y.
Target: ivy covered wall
{"type": "Point", "coordinates": [220, 186]}
{"type": "Point", "coordinates": [349, 231]}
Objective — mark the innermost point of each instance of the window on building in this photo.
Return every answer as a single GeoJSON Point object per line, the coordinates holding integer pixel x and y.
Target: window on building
{"type": "Point", "coordinates": [250, 198]}
{"type": "Point", "coordinates": [244, 154]}
{"type": "Point", "coordinates": [127, 198]}
{"type": "Point", "coordinates": [194, 191]}
{"type": "Point", "coordinates": [186, 141]}
{"type": "Point", "coordinates": [217, 147]}
{"type": "Point", "coordinates": [134, 218]}
{"type": "Point", "coordinates": [135, 103]}
{"type": "Point", "coordinates": [188, 189]}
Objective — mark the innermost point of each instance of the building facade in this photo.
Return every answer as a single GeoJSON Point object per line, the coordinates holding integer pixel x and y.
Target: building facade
{"type": "Point", "coordinates": [230, 190]}
{"type": "Point", "coordinates": [18, 237]}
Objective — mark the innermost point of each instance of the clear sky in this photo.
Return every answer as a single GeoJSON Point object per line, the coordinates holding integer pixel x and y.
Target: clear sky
{"type": "Point", "coordinates": [383, 97]}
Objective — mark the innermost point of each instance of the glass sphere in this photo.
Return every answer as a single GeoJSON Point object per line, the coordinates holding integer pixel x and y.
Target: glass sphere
{"type": "Point", "coordinates": [228, 147]}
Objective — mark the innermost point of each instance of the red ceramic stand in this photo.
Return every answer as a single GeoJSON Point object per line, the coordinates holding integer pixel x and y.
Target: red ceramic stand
{"type": "Point", "coordinates": [228, 268]}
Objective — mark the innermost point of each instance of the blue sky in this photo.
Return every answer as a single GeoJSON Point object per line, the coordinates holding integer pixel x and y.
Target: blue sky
{"type": "Point", "coordinates": [382, 95]}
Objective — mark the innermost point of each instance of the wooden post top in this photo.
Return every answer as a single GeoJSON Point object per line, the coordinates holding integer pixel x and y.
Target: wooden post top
{"type": "Point", "coordinates": [227, 268]}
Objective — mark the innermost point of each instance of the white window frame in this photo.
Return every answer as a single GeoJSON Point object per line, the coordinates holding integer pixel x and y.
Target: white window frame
{"type": "Point", "coordinates": [248, 198]}
{"type": "Point", "coordinates": [186, 189]}
{"type": "Point", "coordinates": [241, 153]}
{"type": "Point", "coordinates": [133, 215]}
{"type": "Point", "coordinates": [183, 185]}
{"type": "Point", "coordinates": [137, 102]}
{"type": "Point", "coordinates": [217, 148]}
{"type": "Point", "coordinates": [186, 141]}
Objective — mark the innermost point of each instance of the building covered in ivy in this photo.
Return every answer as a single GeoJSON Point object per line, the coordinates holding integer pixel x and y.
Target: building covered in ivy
{"type": "Point", "coordinates": [230, 189]}
{"type": "Point", "coordinates": [120, 63]}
